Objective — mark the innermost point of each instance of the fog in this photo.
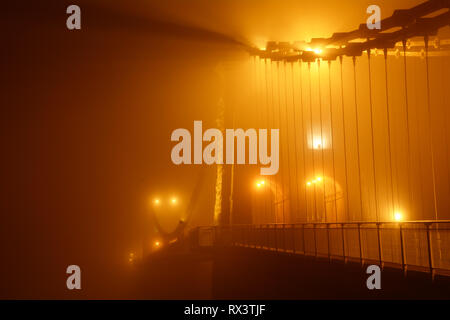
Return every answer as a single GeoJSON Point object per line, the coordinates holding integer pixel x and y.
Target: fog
{"type": "Point", "coordinates": [86, 125]}
{"type": "Point", "coordinates": [87, 118]}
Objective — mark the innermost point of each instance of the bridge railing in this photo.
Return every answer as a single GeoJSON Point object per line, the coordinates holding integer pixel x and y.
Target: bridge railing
{"type": "Point", "coordinates": [419, 245]}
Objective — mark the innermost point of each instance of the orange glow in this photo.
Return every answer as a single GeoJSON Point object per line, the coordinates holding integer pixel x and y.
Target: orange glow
{"type": "Point", "coordinates": [260, 183]}
{"type": "Point", "coordinates": [398, 216]}
{"type": "Point", "coordinates": [260, 43]}
{"type": "Point", "coordinates": [315, 50]}
{"type": "Point", "coordinates": [174, 201]}
{"type": "Point", "coordinates": [318, 143]}
{"type": "Point", "coordinates": [156, 201]}
{"type": "Point", "coordinates": [316, 180]}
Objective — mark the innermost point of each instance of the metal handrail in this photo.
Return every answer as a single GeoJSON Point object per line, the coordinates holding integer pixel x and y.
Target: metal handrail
{"type": "Point", "coordinates": [410, 245]}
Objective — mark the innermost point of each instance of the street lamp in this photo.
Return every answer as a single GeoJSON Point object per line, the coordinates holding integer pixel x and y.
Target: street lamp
{"type": "Point", "coordinates": [398, 216]}
{"type": "Point", "coordinates": [260, 183]}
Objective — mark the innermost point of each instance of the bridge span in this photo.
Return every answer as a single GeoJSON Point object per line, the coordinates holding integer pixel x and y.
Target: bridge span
{"type": "Point", "coordinates": [302, 261]}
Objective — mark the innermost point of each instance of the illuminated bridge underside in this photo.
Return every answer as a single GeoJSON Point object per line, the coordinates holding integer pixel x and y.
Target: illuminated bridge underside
{"type": "Point", "coordinates": [417, 246]}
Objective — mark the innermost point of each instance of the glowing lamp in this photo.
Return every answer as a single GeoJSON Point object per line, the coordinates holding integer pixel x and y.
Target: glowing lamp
{"type": "Point", "coordinates": [260, 183]}
{"type": "Point", "coordinates": [315, 50]}
{"type": "Point", "coordinates": [398, 216]}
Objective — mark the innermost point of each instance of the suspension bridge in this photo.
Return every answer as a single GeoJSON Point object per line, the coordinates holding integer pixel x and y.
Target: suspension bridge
{"type": "Point", "coordinates": [364, 173]}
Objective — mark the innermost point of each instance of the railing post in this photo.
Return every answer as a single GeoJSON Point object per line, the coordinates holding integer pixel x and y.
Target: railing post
{"type": "Point", "coordinates": [257, 235]}
{"type": "Point", "coordinates": [241, 234]}
{"type": "Point", "coordinates": [253, 236]}
{"type": "Point", "coordinates": [245, 235]}
{"type": "Point", "coordinates": [315, 244]}
{"type": "Point", "coordinates": [231, 236]}
{"type": "Point", "coordinates": [293, 238]}
{"type": "Point", "coordinates": [380, 257]}
{"type": "Point", "coordinates": [402, 249]}
{"type": "Point", "coordinates": [251, 230]}
{"type": "Point", "coordinates": [303, 236]}
{"type": "Point", "coordinates": [343, 242]}
{"type": "Point", "coordinates": [276, 237]}
{"type": "Point", "coordinates": [261, 236]}
{"type": "Point", "coordinates": [430, 257]}
{"type": "Point", "coordinates": [266, 231]}
{"type": "Point", "coordinates": [248, 236]}
{"type": "Point", "coordinates": [328, 242]}
{"type": "Point", "coordinates": [360, 246]}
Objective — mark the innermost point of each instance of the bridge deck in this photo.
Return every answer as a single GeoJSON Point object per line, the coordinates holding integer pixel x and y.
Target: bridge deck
{"type": "Point", "coordinates": [411, 246]}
